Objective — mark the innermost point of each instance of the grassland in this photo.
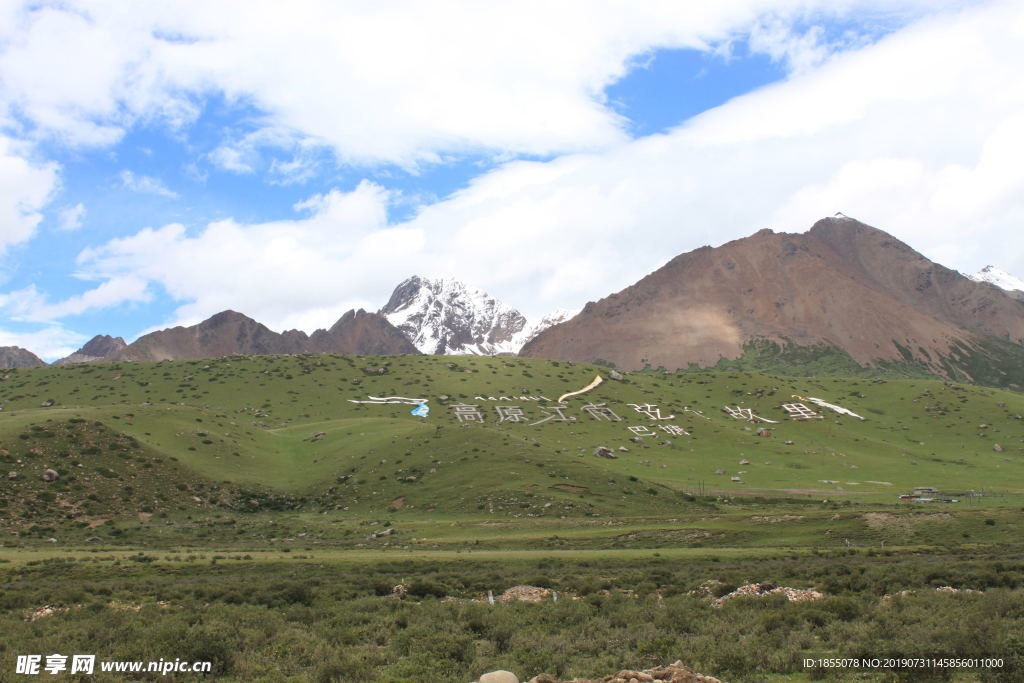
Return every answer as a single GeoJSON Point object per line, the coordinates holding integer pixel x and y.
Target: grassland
{"type": "Point", "coordinates": [175, 479]}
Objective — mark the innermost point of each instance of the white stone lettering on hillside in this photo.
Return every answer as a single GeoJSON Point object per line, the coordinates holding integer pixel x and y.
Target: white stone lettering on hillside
{"type": "Point", "coordinates": [468, 413]}
{"type": "Point", "coordinates": [746, 414]}
{"type": "Point", "coordinates": [384, 400]}
{"type": "Point", "coordinates": [830, 406]}
{"type": "Point", "coordinates": [642, 430]}
{"type": "Point", "coordinates": [511, 398]}
{"type": "Point", "coordinates": [555, 414]}
{"type": "Point", "coordinates": [674, 430]}
{"type": "Point", "coordinates": [649, 410]}
{"type": "Point", "coordinates": [510, 414]}
{"type": "Point", "coordinates": [798, 411]}
{"type": "Point", "coordinates": [600, 411]}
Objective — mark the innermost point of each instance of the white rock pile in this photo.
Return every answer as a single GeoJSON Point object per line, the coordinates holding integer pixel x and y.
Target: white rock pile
{"type": "Point", "coordinates": [761, 590]}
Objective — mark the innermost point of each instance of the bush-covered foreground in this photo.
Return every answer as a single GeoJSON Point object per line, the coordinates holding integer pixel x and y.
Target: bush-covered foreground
{"type": "Point", "coordinates": [301, 619]}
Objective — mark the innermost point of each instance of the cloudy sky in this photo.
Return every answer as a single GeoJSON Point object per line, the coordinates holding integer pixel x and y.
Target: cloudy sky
{"type": "Point", "coordinates": [163, 161]}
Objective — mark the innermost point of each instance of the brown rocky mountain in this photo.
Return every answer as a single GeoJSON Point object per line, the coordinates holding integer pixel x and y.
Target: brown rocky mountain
{"type": "Point", "coordinates": [229, 333]}
{"type": "Point", "coordinates": [17, 357]}
{"type": "Point", "coordinates": [97, 348]}
{"type": "Point", "coordinates": [842, 284]}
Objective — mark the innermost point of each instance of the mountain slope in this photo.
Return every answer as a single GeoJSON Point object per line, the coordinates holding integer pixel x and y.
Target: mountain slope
{"type": "Point", "coordinates": [230, 333]}
{"type": "Point", "coordinates": [97, 348]}
{"type": "Point", "coordinates": [17, 357]}
{"type": "Point", "coordinates": [443, 316]}
{"type": "Point", "coordinates": [919, 283]}
{"type": "Point", "coordinates": [842, 284]}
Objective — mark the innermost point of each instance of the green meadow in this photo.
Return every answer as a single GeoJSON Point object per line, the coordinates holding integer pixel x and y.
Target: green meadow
{"type": "Point", "coordinates": [252, 490]}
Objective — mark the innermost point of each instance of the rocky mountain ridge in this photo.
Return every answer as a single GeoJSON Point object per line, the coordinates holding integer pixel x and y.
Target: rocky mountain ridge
{"type": "Point", "coordinates": [17, 357]}
{"type": "Point", "coordinates": [230, 332]}
{"type": "Point", "coordinates": [842, 284]}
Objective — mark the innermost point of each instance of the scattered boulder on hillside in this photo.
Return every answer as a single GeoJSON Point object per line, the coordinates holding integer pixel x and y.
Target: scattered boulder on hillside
{"type": "Point", "coordinates": [604, 452]}
{"type": "Point", "coordinates": [764, 432]}
{"type": "Point", "coordinates": [677, 672]}
{"type": "Point", "coordinates": [318, 436]}
{"type": "Point", "coordinates": [12, 475]}
{"type": "Point", "coordinates": [47, 403]}
{"type": "Point", "coordinates": [997, 448]}
{"type": "Point", "coordinates": [50, 475]}
{"type": "Point", "coordinates": [616, 375]}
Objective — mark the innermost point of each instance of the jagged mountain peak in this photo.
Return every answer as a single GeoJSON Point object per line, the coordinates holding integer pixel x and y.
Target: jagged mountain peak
{"type": "Point", "coordinates": [97, 348]}
{"type": "Point", "coordinates": [447, 316]}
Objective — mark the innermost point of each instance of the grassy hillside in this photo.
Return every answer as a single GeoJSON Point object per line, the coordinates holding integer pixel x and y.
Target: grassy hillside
{"type": "Point", "coordinates": [243, 511]}
{"type": "Point", "coordinates": [241, 432]}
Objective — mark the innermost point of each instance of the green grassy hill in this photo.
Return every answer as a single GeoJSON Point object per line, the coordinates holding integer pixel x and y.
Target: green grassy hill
{"type": "Point", "coordinates": [240, 433]}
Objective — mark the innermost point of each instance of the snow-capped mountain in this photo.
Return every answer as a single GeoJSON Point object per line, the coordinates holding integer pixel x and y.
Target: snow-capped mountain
{"type": "Point", "coordinates": [1000, 278]}
{"type": "Point", "coordinates": [443, 316]}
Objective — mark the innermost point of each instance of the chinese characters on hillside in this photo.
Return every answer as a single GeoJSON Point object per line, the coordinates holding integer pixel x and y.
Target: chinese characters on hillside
{"type": "Point", "coordinates": [651, 419]}
{"type": "Point", "coordinates": [599, 412]}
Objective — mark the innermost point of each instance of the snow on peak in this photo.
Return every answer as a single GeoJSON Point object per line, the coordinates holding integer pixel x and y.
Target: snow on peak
{"type": "Point", "coordinates": [445, 316]}
{"type": "Point", "coordinates": [999, 278]}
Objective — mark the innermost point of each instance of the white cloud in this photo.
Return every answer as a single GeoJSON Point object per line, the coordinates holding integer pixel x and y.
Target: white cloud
{"type": "Point", "coordinates": [231, 159]}
{"type": "Point", "coordinates": [246, 155]}
{"type": "Point", "coordinates": [31, 305]}
{"type": "Point", "coordinates": [276, 272]}
{"type": "Point", "coordinates": [49, 343]}
{"type": "Point", "coordinates": [920, 135]}
{"type": "Point", "coordinates": [402, 82]}
{"type": "Point", "coordinates": [143, 183]}
{"type": "Point", "coordinates": [71, 218]}
{"type": "Point", "coordinates": [25, 189]}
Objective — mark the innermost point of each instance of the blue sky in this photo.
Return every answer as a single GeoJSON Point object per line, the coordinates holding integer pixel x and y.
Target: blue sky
{"type": "Point", "coordinates": [176, 160]}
